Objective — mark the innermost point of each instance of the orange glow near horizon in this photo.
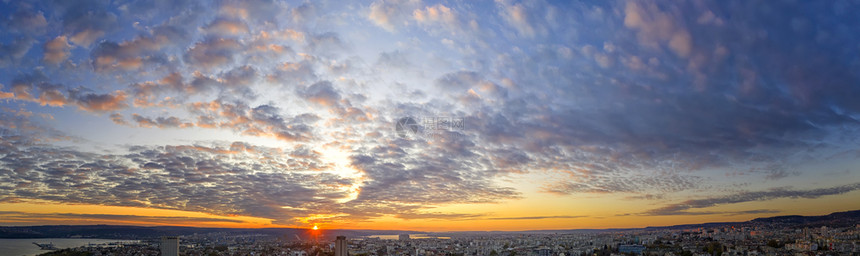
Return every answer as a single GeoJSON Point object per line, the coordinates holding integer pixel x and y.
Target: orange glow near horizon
{"type": "Point", "coordinates": [503, 217]}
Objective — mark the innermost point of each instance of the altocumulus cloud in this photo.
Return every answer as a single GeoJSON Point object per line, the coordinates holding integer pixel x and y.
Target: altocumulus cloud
{"type": "Point", "coordinates": [645, 99]}
{"type": "Point", "coordinates": [682, 208]}
{"type": "Point", "coordinates": [25, 217]}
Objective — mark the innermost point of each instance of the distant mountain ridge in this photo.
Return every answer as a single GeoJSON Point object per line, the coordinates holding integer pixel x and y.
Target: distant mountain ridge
{"type": "Point", "coordinates": [835, 219]}
{"type": "Point", "coordinates": [847, 218]}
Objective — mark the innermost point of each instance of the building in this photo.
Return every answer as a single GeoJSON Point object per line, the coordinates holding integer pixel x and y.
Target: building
{"type": "Point", "coordinates": [403, 237]}
{"type": "Point", "coordinates": [631, 248]}
{"type": "Point", "coordinates": [170, 246]}
{"type": "Point", "coordinates": [543, 251]}
{"type": "Point", "coordinates": [340, 246]}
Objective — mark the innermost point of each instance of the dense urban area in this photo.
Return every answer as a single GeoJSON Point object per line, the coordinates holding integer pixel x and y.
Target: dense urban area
{"type": "Point", "coordinates": [764, 239]}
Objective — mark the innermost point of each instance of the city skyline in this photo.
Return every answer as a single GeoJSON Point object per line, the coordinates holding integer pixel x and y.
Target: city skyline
{"type": "Point", "coordinates": [426, 115]}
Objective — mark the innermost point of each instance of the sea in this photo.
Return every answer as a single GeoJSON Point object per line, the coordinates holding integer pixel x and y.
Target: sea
{"type": "Point", "coordinates": [17, 247]}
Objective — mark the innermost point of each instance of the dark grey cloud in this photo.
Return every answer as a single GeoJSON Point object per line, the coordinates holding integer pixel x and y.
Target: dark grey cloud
{"type": "Point", "coordinates": [12, 216]}
{"type": "Point", "coordinates": [35, 87]}
{"type": "Point", "coordinates": [223, 180]}
{"type": "Point", "coordinates": [18, 128]}
{"type": "Point", "coordinates": [294, 73]}
{"type": "Point", "coordinates": [538, 217]}
{"type": "Point", "coordinates": [407, 170]}
{"type": "Point", "coordinates": [327, 44]}
{"type": "Point", "coordinates": [87, 21]}
{"type": "Point", "coordinates": [213, 52]}
{"type": "Point", "coordinates": [25, 19]}
{"type": "Point", "coordinates": [225, 27]}
{"type": "Point", "coordinates": [160, 122]}
{"type": "Point", "coordinates": [235, 84]}
{"type": "Point", "coordinates": [151, 9]}
{"type": "Point", "coordinates": [322, 93]}
{"type": "Point", "coordinates": [144, 52]}
{"type": "Point", "coordinates": [459, 81]}
{"type": "Point", "coordinates": [256, 12]}
{"type": "Point", "coordinates": [56, 50]}
{"type": "Point", "coordinates": [304, 13]}
{"type": "Point", "coordinates": [630, 183]}
{"type": "Point", "coordinates": [263, 120]}
{"type": "Point", "coordinates": [117, 118]}
{"type": "Point", "coordinates": [393, 59]}
{"type": "Point", "coordinates": [12, 52]}
{"type": "Point", "coordinates": [639, 98]}
{"type": "Point", "coordinates": [98, 102]}
{"type": "Point", "coordinates": [684, 207]}
{"type": "Point", "coordinates": [437, 216]}
{"type": "Point", "coordinates": [680, 109]}
{"type": "Point", "coordinates": [192, 178]}
{"type": "Point", "coordinates": [760, 211]}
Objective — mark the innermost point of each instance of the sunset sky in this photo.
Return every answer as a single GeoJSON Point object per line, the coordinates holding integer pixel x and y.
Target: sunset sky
{"type": "Point", "coordinates": [526, 114]}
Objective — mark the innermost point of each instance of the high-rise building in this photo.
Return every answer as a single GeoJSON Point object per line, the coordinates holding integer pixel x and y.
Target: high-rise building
{"type": "Point", "coordinates": [403, 237]}
{"type": "Point", "coordinates": [169, 246]}
{"type": "Point", "coordinates": [340, 246]}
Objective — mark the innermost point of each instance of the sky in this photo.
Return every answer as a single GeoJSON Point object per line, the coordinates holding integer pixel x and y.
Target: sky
{"type": "Point", "coordinates": [427, 115]}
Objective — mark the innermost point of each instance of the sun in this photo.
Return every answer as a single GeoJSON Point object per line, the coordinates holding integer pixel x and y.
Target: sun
{"type": "Point", "coordinates": [316, 228]}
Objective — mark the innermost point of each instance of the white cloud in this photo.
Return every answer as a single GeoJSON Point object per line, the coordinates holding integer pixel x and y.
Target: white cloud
{"type": "Point", "coordinates": [389, 14]}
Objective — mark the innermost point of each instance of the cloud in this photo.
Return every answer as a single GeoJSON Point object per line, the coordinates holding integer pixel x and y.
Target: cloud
{"type": "Point", "coordinates": [25, 21]}
{"type": "Point", "coordinates": [437, 216]}
{"type": "Point", "coordinates": [299, 73]}
{"type": "Point", "coordinates": [56, 50]}
{"type": "Point", "coordinates": [518, 17]}
{"type": "Point", "coordinates": [587, 182]}
{"type": "Point", "coordinates": [14, 51]}
{"type": "Point", "coordinates": [173, 88]}
{"type": "Point", "coordinates": [304, 13]}
{"type": "Point", "coordinates": [213, 52]}
{"type": "Point", "coordinates": [656, 27]}
{"type": "Point", "coordinates": [419, 178]}
{"type": "Point", "coordinates": [84, 23]}
{"type": "Point", "coordinates": [216, 179]}
{"type": "Point", "coordinates": [262, 120]}
{"type": "Point", "coordinates": [327, 44]}
{"type": "Point", "coordinates": [395, 59]}
{"type": "Point", "coordinates": [157, 176]}
{"type": "Point", "coordinates": [461, 80]}
{"type": "Point", "coordinates": [18, 128]}
{"type": "Point", "coordinates": [683, 208]}
{"type": "Point", "coordinates": [117, 118]}
{"type": "Point", "coordinates": [539, 217]}
{"type": "Point", "coordinates": [641, 99]}
{"type": "Point", "coordinates": [322, 93]}
{"type": "Point", "coordinates": [226, 27]}
{"type": "Point", "coordinates": [444, 16]}
{"type": "Point", "coordinates": [13, 216]}
{"type": "Point", "coordinates": [257, 11]}
{"type": "Point", "coordinates": [96, 102]}
{"type": "Point", "coordinates": [160, 122]}
{"type": "Point", "coordinates": [145, 51]}
{"type": "Point", "coordinates": [389, 14]}
{"type": "Point", "coordinates": [35, 88]}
